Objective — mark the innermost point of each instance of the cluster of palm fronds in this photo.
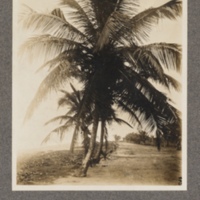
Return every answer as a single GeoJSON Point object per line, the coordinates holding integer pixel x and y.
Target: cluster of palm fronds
{"type": "Point", "coordinates": [101, 44]}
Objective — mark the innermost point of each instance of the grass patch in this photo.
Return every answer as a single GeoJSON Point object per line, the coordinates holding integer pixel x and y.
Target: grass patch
{"type": "Point", "coordinates": [43, 168]}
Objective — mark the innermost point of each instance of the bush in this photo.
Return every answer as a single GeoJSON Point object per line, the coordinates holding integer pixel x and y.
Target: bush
{"type": "Point", "coordinates": [117, 138]}
{"type": "Point", "coordinates": [138, 138]}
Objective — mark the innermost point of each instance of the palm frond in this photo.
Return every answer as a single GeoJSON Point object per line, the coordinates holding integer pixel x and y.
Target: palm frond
{"type": "Point", "coordinates": [60, 119]}
{"type": "Point", "coordinates": [127, 7]}
{"type": "Point", "coordinates": [47, 46]}
{"type": "Point", "coordinates": [73, 111]}
{"type": "Point", "coordinates": [121, 121]}
{"type": "Point", "coordinates": [153, 114]}
{"type": "Point", "coordinates": [77, 93]}
{"type": "Point", "coordinates": [50, 64]}
{"type": "Point", "coordinates": [137, 115]}
{"type": "Point", "coordinates": [165, 124]}
{"type": "Point", "coordinates": [60, 131]}
{"type": "Point", "coordinates": [151, 66]}
{"type": "Point", "coordinates": [53, 23]}
{"type": "Point", "coordinates": [58, 13]}
{"type": "Point", "coordinates": [121, 28]}
{"type": "Point", "coordinates": [133, 115]}
{"type": "Point", "coordinates": [112, 30]}
{"type": "Point", "coordinates": [165, 117]}
{"type": "Point", "coordinates": [63, 102]}
{"type": "Point", "coordinates": [172, 82]}
{"type": "Point", "coordinates": [168, 54]}
{"type": "Point", "coordinates": [141, 88]}
{"type": "Point", "coordinates": [79, 17]}
{"type": "Point", "coordinates": [149, 104]}
{"type": "Point", "coordinates": [89, 10]}
{"type": "Point", "coordinates": [57, 77]}
{"type": "Point", "coordinates": [102, 10]}
{"type": "Point", "coordinates": [151, 60]}
{"type": "Point", "coordinates": [72, 100]}
{"type": "Point", "coordinates": [143, 22]}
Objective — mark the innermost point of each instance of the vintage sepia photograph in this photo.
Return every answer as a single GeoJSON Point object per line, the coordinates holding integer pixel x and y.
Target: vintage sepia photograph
{"type": "Point", "coordinates": [99, 95]}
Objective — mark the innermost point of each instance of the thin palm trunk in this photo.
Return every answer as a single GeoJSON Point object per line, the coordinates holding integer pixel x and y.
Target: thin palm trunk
{"type": "Point", "coordinates": [99, 151]}
{"type": "Point", "coordinates": [74, 137]}
{"type": "Point", "coordinates": [106, 143]}
{"type": "Point", "coordinates": [86, 161]}
{"type": "Point", "coordinates": [158, 140]}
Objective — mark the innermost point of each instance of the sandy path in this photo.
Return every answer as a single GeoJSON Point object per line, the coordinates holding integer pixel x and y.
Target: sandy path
{"type": "Point", "coordinates": [132, 164]}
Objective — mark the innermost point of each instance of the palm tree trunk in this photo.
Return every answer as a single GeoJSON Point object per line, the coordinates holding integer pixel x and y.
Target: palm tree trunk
{"type": "Point", "coordinates": [74, 137]}
{"type": "Point", "coordinates": [86, 142]}
{"type": "Point", "coordinates": [85, 163]}
{"type": "Point", "coordinates": [158, 141]}
{"type": "Point", "coordinates": [99, 151]}
{"type": "Point", "coordinates": [106, 143]}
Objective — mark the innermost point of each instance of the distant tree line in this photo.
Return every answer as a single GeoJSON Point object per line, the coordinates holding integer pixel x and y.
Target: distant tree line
{"type": "Point", "coordinates": [142, 137]}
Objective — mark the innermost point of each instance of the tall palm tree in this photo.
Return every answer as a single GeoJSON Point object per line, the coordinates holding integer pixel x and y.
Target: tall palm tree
{"type": "Point", "coordinates": [72, 101]}
{"type": "Point", "coordinates": [101, 44]}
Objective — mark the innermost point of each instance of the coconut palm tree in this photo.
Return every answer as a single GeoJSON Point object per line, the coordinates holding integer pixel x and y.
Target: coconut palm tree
{"type": "Point", "coordinates": [72, 101]}
{"type": "Point", "coordinates": [101, 44]}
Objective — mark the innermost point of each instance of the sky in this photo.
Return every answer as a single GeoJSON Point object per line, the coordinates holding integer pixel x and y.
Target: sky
{"type": "Point", "coordinates": [26, 81]}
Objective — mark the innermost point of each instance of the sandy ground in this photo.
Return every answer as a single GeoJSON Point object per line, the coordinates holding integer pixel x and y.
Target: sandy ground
{"type": "Point", "coordinates": [130, 164]}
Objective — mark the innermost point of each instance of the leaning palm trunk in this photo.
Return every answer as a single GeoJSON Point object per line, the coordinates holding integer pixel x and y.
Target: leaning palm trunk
{"type": "Point", "coordinates": [99, 151]}
{"type": "Point", "coordinates": [86, 161]}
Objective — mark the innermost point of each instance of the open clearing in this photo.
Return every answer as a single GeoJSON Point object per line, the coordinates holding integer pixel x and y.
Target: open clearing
{"type": "Point", "coordinates": [130, 164]}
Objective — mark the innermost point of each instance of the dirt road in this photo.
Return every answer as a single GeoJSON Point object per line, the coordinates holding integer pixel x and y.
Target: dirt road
{"type": "Point", "coordinates": [133, 164]}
